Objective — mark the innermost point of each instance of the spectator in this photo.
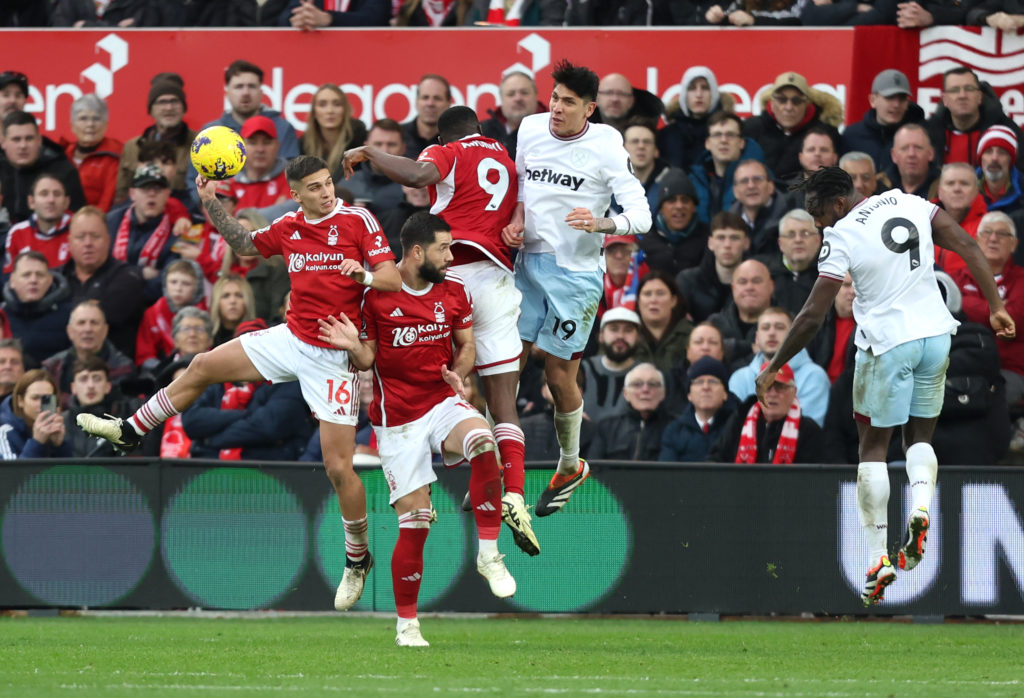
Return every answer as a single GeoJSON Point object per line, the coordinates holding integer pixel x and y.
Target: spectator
{"type": "Point", "coordinates": [958, 194]}
{"type": "Point", "coordinates": [392, 220]}
{"type": "Point", "coordinates": [261, 182]}
{"type": "Point", "coordinates": [759, 204]}
{"type": "Point", "coordinates": [164, 154]}
{"type": "Point", "coordinates": [182, 287]}
{"type": "Point", "coordinates": [891, 107]}
{"type": "Point", "coordinates": [332, 128]}
{"type": "Point", "coordinates": [539, 426]}
{"type": "Point", "coordinates": [12, 364]}
{"type": "Point", "coordinates": [704, 340]}
{"type": "Point", "coordinates": [912, 170]}
{"type": "Point", "coordinates": [861, 169]}
{"type": "Point", "coordinates": [243, 87]}
{"type": "Point", "coordinates": [638, 139]}
{"type": "Point", "coordinates": [29, 427]}
{"type": "Point", "coordinates": [812, 382]}
{"type": "Point", "coordinates": [689, 438]}
{"type": "Point", "coordinates": [223, 13]}
{"type": "Point", "coordinates": [794, 268]}
{"type": "Point", "coordinates": [309, 15]}
{"type": "Point", "coordinates": [26, 157]}
{"type": "Point", "coordinates": [115, 13]}
{"type": "Point", "coordinates": [96, 156]}
{"type": "Point", "coordinates": [192, 331]}
{"type": "Point", "coordinates": [685, 133]}
{"type": "Point", "coordinates": [93, 274]}
{"type": "Point", "coordinates": [13, 92]}
{"type": "Point", "coordinates": [433, 96]}
{"type": "Point", "coordinates": [46, 229]}
{"type": "Point", "coordinates": [231, 305]}
{"type": "Point", "coordinates": [267, 276]}
{"type": "Point", "coordinates": [832, 348]}
{"type": "Point", "coordinates": [790, 107]}
{"type": "Point", "coordinates": [677, 239]}
{"type": "Point", "coordinates": [624, 264]}
{"type": "Point", "coordinates": [715, 171]}
{"type": "Point", "coordinates": [634, 434]}
{"type": "Point", "coordinates": [166, 106]}
{"type": "Point", "coordinates": [707, 287]}
{"type": "Point", "coordinates": [746, 13]}
{"type": "Point", "coordinates": [465, 13]}
{"type": "Point", "coordinates": [87, 330]}
{"type": "Point", "coordinates": [251, 421]}
{"type": "Point", "coordinates": [664, 327]}
{"type": "Point", "coordinates": [605, 373]}
{"type": "Point", "coordinates": [92, 392]}
{"type": "Point", "coordinates": [143, 230]}
{"type": "Point", "coordinates": [1000, 179]}
{"type": "Point", "coordinates": [37, 303]}
{"type": "Point", "coordinates": [997, 236]}
{"type": "Point", "coordinates": [620, 104]}
{"type": "Point", "coordinates": [371, 187]}
{"type": "Point", "coordinates": [518, 100]}
{"type": "Point", "coordinates": [752, 289]}
{"type": "Point", "coordinates": [818, 149]}
{"type": "Point", "coordinates": [777, 433]}
{"type": "Point", "coordinates": [1004, 15]}
{"type": "Point", "coordinates": [968, 109]}
{"type": "Point", "coordinates": [914, 15]}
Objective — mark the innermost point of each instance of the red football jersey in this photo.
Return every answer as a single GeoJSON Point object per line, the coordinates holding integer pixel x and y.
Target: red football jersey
{"type": "Point", "coordinates": [413, 330]}
{"type": "Point", "coordinates": [25, 236]}
{"type": "Point", "coordinates": [476, 195]}
{"type": "Point", "coordinates": [314, 251]}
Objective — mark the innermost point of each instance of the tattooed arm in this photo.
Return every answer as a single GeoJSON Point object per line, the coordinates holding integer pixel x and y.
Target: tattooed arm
{"type": "Point", "coordinates": [233, 232]}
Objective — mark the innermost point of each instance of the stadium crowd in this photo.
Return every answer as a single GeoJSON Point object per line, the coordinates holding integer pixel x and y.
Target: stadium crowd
{"type": "Point", "coordinates": [114, 277]}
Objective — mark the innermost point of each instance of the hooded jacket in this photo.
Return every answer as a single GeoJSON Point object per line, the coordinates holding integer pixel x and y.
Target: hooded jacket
{"type": "Point", "coordinates": [875, 139]}
{"type": "Point", "coordinates": [40, 325]}
{"type": "Point", "coordinates": [782, 147]}
{"type": "Point", "coordinates": [681, 141]}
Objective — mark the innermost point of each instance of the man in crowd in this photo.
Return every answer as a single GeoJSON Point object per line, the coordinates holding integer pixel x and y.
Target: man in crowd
{"type": "Point", "coordinates": [678, 238]}
{"type": "Point", "coordinates": [912, 170]}
{"type": "Point", "coordinates": [689, 438]}
{"type": "Point", "coordinates": [861, 169]}
{"type": "Point", "coordinates": [12, 364]}
{"type": "Point", "coordinates": [369, 186]}
{"type": "Point", "coordinates": [37, 304]}
{"type": "Point", "coordinates": [46, 230]}
{"type": "Point", "coordinates": [26, 156]}
{"type": "Point", "coordinates": [639, 140]}
{"type": "Point", "coordinates": [1000, 178]}
{"type": "Point", "coordinates": [243, 88]}
{"type": "Point", "coordinates": [760, 205]}
{"type": "Point", "coordinates": [708, 285]}
{"type": "Point", "coordinates": [891, 107]}
{"type": "Point", "coordinates": [261, 182]}
{"type": "Point", "coordinates": [518, 100]}
{"type": "Point", "coordinates": [959, 196]}
{"type": "Point", "coordinates": [13, 92]}
{"type": "Point", "coordinates": [433, 96]}
{"type": "Point", "coordinates": [605, 372]}
{"type": "Point", "coordinates": [620, 104]}
{"type": "Point", "coordinates": [715, 171]}
{"type": "Point", "coordinates": [634, 432]}
{"type": "Point", "coordinates": [794, 267]}
{"type": "Point", "coordinates": [752, 289]}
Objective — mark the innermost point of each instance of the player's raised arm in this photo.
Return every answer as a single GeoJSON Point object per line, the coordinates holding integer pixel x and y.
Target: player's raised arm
{"type": "Point", "coordinates": [341, 333]}
{"type": "Point", "coordinates": [947, 233]}
{"type": "Point", "coordinates": [383, 277]}
{"type": "Point", "coordinates": [411, 173]}
{"type": "Point", "coordinates": [234, 233]}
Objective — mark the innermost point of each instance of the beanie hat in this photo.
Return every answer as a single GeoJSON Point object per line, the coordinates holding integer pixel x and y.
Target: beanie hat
{"type": "Point", "coordinates": [674, 182]}
{"type": "Point", "coordinates": [165, 87]}
{"type": "Point", "coordinates": [1001, 136]}
{"type": "Point", "coordinates": [708, 366]}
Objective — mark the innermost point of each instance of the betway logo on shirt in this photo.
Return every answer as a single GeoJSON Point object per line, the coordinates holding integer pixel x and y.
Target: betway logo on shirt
{"type": "Point", "coordinates": [548, 175]}
{"type": "Point", "coordinates": [424, 332]}
{"type": "Point", "coordinates": [314, 261]}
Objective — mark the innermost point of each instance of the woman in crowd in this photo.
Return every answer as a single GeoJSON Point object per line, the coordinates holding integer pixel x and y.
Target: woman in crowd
{"type": "Point", "coordinates": [232, 303]}
{"type": "Point", "coordinates": [94, 155]}
{"type": "Point", "coordinates": [331, 129]}
{"type": "Point", "coordinates": [664, 328]}
{"type": "Point", "coordinates": [32, 425]}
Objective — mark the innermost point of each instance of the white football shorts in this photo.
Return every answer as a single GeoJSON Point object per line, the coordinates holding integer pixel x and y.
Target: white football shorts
{"type": "Point", "coordinates": [495, 316]}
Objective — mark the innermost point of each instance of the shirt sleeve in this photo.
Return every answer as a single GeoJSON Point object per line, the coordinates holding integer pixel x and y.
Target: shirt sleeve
{"type": "Point", "coordinates": [373, 242]}
{"type": "Point", "coordinates": [369, 327]}
{"type": "Point", "coordinates": [440, 156]}
{"type": "Point", "coordinates": [268, 240]}
{"type": "Point", "coordinates": [833, 259]}
{"type": "Point", "coordinates": [463, 311]}
{"type": "Point", "coordinates": [635, 218]}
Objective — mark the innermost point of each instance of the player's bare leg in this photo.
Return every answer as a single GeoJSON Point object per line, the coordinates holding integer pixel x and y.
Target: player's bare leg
{"type": "Point", "coordinates": [922, 472]}
{"type": "Point", "coordinates": [338, 444]}
{"type": "Point", "coordinates": [473, 438]}
{"type": "Point", "coordinates": [872, 508]}
{"type": "Point", "coordinates": [407, 564]}
{"type": "Point", "coordinates": [500, 390]}
{"type": "Point", "coordinates": [227, 363]}
{"type": "Point", "coordinates": [572, 470]}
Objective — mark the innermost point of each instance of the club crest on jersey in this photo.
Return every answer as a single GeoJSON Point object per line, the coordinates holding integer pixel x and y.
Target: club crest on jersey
{"type": "Point", "coordinates": [578, 157]}
{"type": "Point", "coordinates": [332, 235]}
{"type": "Point", "coordinates": [439, 311]}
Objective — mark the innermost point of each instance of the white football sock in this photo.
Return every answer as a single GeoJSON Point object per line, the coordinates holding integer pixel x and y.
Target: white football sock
{"type": "Point", "coordinates": [922, 470]}
{"type": "Point", "coordinates": [872, 507]}
{"type": "Point", "coordinates": [567, 430]}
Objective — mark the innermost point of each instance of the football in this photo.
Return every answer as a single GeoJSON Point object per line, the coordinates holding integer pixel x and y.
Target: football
{"type": "Point", "coordinates": [218, 152]}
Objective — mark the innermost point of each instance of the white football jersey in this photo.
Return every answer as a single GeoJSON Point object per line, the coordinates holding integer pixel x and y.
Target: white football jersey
{"type": "Point", "coordinates": [886, 245]}
{"type": "Point", "coordinates": [557, 175]}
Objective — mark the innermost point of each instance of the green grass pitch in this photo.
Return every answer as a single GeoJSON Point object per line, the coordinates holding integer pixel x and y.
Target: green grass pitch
{"type": "Point", "coordinates": [355, 656]}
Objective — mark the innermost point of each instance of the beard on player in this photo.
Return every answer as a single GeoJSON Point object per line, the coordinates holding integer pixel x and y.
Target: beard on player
{"type": "Point", "coordinates": [432, 273]}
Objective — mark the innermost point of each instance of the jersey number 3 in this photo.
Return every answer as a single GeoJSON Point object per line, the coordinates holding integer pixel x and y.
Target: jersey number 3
{"type": "Point", "coordinates": [910, 242]}
{"type": "Point", "coordinates": [496, 190]}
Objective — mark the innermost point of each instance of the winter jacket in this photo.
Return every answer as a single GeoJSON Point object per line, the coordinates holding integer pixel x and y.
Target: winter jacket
{"type": "Point", "coordinates": [791, 287]}
{"type": "Point", "coordinates": [737, 336]}
{"type": "Point", "coordinates": [138, 236]}
{"type": "Point", "coordinates": [875, 139]}
{"type": "Point", "coordinates": [118, 287]}
{"type": "Point", "coordinates": [764, 235]}
{"type": "Point", "coordinates": [16, 182]}
{"type": "Point", "coordinates": [274, 426]}
{"type": "Point", "coordinates": [947, 259]}
{"type": "Point", "coordinates": [812, 383]}
{"type": "Point", "coordinates": [1011, 290]}
{"type": "Point", "coordinates": [700, 286]}
{"type": "Point", "coordinates": [41, 325]}
{"type": "Point", "coordinates": [98, 172]}
{"type": "Point", "coordinates": [84, 444]}
{"type": "Point", "coordinates": [61, 364]}
{"type": "Point", "coordinates": [16, 438]}
{"type": "Point", "coordinates": [1012, 199]}
{"type": "Point", "coordinates": [673, 251]}
{"type": "Point", "coordinates": [628, 436]}
{"type": "Point", "coordinates": [781, 148]}
{"type": "Point", "coordinates": [681, 140]}
{"type": "Point", "coordinates": [810, 443]}
{"type": "Point", "coordinates": [602, 395]}
{"type": "Point", "coordinates": [670, 350]}
{"type": "Point", "coordinates": [940, 124]}
{"type": "Point", "coordinates": [220, 13]}
{"type": "Point", "coordinates": [716, 193]}
{"type": "Point", "coordinates": [496, 127]}
{"type": "Point", "coordinates": [683, 440]}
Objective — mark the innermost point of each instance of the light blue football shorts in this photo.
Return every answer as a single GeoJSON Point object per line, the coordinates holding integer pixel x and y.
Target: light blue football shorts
{"type": "Point", "coordinates": [558, 306]}
{"type": "Point", "coordinates": [907, 381]}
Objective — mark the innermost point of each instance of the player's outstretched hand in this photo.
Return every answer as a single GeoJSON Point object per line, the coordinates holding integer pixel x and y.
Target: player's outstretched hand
{"type": "Point", "coordinates": [512, 235]}
{"type": "Point", "coordinates": [351, 158]}
{"type": "Point", "coordinates": [207, 188]}
{"type": "Point", "coordinates": [1003, 324]}
{"type": "Point", "coordinates": [452, 379]}
{"type": "Point", "coordinates": [339, 332]}
{"type": "Point", "coordinates": [582, 219]}
{"type": "Point", "coordinates": [764, 381]}
{"type": "Point", "coordinates": [353, 269]}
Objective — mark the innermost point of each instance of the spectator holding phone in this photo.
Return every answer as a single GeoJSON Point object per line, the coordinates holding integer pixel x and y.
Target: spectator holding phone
{"type": "Point", "coordinates": [30, 423]}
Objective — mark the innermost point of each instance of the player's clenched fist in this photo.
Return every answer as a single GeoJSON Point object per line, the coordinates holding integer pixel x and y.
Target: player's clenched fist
{"type": "Point", "coordinates": [339, 332]}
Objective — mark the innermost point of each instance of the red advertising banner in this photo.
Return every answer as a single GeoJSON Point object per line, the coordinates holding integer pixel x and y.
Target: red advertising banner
{"type": "Point", "coordinates": [379, 68]}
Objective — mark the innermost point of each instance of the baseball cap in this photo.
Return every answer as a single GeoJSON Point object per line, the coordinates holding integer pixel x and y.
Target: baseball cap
{"type": "Point", "coordinates": [785, 374]}
{"type": "Point", "coordinates": [13, 77]}
{"type": "Point", "coordinates": [708, 366]}
{"type": "Point", "coordinates": [791, 79]}
{"type": "Point", "coordinates": [250, 326]}
{"type": "Point", "coordinates": [150, 173]}
{"type": "Point", "coordinates": [257, 124]}
{"type": "Point", "coordinates": [610, 240]}
{"type": "Point", "coordinates": [889, 83]}
{"type": "Point", "coordinates": [1000, 136]}
{"type": "Point", "coordinates": [619, 314]}
{"type": "Point", "coordinates": [224, 188]}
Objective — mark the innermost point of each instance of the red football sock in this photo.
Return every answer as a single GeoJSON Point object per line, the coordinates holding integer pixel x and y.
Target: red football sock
{"type": "Point", "coordinates": [485, 494]}
{"type": "Point", "coordinates": [407, 560]}
{"type": "Point", "coordinates": [512, 445]}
